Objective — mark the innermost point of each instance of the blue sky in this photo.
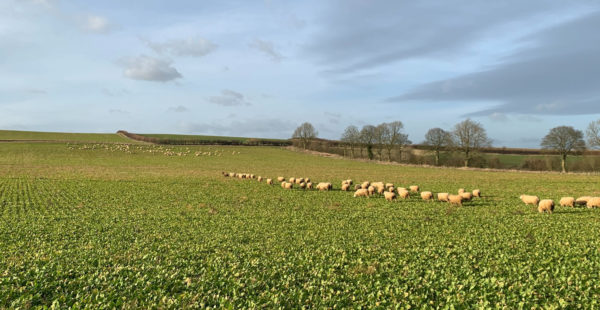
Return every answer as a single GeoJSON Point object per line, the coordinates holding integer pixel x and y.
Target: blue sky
{"type": "Point", "coordinates": [260, 68]}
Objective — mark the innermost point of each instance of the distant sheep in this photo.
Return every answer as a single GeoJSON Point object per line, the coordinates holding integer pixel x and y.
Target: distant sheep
{"type": "Point", "coordinates": [365, 185]}
{"type": "Point", "coordinates": [225, 174]}
{"type": "Point", "coordinates": [530, 200]}
{"type": "Point", "coordinates": [357, 187]}
{"type": "Point", "coordinates": [388, 185]}
{"type": "Point", "coordinates": [594, 202]}
{"type": "Point", "coordinates": [309, 185]}
{"type": "Point", "coordinates": [461, 190]}
{"type": "Point", "coordinates": [259, 179]}
{"type": "Point", "coordinates": [288, 185]}
{"type": "Point", "coordinates": [467, 196]}
{"type": "Point", "coordinates": [380, 190]}
{"type": "Point", "coordinates": [361, 193]}
{"type": "Point", "coordinates": [546, 205]}
{"type": "Point", "coordinates": [455, 199]}
{"type": "Point", "coordinates": [476, 193]}
{"type": "Point", "coordinates": [389, 196]}
{"type": "Point", "coordinates": [292, 180]}
{"type": "Point", "coordinates": [324, 186]}
{"type": "Point", "coordinates": [345, 187]}
{"type": "Point", "coordinates": [270, 181]}
{"type": "Point", "coordinates": [299, 180]}
{"type": "Point", "coordinates": [307, 180]}
{"type": "Point", "coordinates": [414, 188]}
{"type": "Point", "coordinates": [371, 189]}
{"type": "Point", "coordinates": [403, 193]}
{"type": "Point", "coordinates": [232, 174]}
{"type": "Point", "coordinates": [252, 176]}
{"type": "Point", "coordinates": [280, 179]}
{"type": "Point", "coordinates": [443, 197]}
{"type": "Point", "coordinates": [302, 185]}
{"type": "Point", "coordinates": [426, 195]}
{"type": "Point", "coordinates": [582, 201]}
{"type": "Point", "coordinates": [567, 202]}
{"type": "Point", "coordinates": [391, 189]}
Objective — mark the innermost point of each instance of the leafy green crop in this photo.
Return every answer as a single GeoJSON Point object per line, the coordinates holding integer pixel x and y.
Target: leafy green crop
{"type": "Point", "coordinates": [113, 226]}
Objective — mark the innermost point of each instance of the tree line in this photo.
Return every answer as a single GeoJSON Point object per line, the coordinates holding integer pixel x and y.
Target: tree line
{"type": "Point", "coordinates": [467, 138]}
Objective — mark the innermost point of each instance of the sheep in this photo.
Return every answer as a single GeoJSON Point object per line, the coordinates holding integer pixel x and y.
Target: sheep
{"type": "Point", "coordinates": [401, 188]}
{"type": "Point", "coordinates": [225, 174]}
{"type": "Point", "coordinates": [280, 179]}
{"type": "Point", "coordinates": [349, 181]}
{"type": "Point", "coordinates": [378, 185]}
{"type": "Point", "coordinates": [467, 196]}
{"type": "Point", "coordinates": [307, 180]}
{"type": "Point", "coordinates": [461, 190]}
{"type": "Point", "coordinates": [414, 188]}
{"type": "Point", "coordinates": [403, 193]}
{"type": "Point", "coordinates": [299, 180]}
{"type": "Point", "coordinates": [309, 185]}
{"type": "Point", "coordinates": [288, 185]}
{"type": "Point", "coordinates": [426, 195]}
{"type": "Point", "coordinates": [389, 196]}
{"type": "Point", "coordinates": [302, 185]}
{"type": "Point", "coordinates": [594, 202]}
{"type": "Point", "coordinates": [380, 190]}
{"type": "Point", "coordinates": [259, 179]}
{"type": "Point", "coordinates": [455, 199]}
{"type": "Point", "coordinates": [546, 205]}
{"type": "Point", "coordinates": [567, 202]}
{"type": "Point", "coordinates": [530, 200]}
{"type": "Point", "coordinates": [361, 193]}
{"type": "Point", "coordinates": [388, 185]}
{"type": "Point", "coordinates": [292, 180]}
{"type": "Point", "coordinates": [371, 189]}
{"type": "Point", "coordinates": [357, 187]}
{"type": "Point", "coordinates": [324, 186]}
{"type": "Point", "coordinates": [365, 185]}
{"type": "Point", "coordinates": [391, 189]}
{"type": "Point", "coordinates": [270, 181]}
{"type": "Point", "coordinates": [232, 174]}
{"type": "Point", "coordinates": [345, 187]}
{"type": "Point", "coordinates": [283, 184]}
{"type": "Point", "coordinates": [252, 176]}
{"type": "Point", "coordinates": [582, 201]}
{"type": "Point", "coordinates": [442, 197]}
{"type": "Point", "coordinates": [476, 193]}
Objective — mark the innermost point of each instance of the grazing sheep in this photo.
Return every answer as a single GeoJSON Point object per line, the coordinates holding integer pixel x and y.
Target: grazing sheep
{"type": "Point", "coordinates": [225, 174]}
{"type": "Point", "coordinates": [391, 189]}
{"type": "Point", "coordinates": [414, 188]}
{"type": "Point", "coordinates": [582, 201]}
{"type": "Point", "coordinates": [443, 197]}
{"type": "Point", "coordinates": [259, 179]}
{"type": "Point", "coordinates": [467, 196]}
{"type": "Point", "coordinates": [232, 174]}
{"type": "Point", "coordinates": [349, 181]}
{"type": "Point", "coordinates": [241, 176]}
{"type": "Point", "coordinates": [309, 185]}
{"type": "Point", "coordinates": [283, 184]}
{"type": "Point", "coordinates": [307, 180]}
{"type": "Point", "coordinates": [252, 176]}
{"type": "Point", "coordinates": [567, 202]}
{"type": "Point", "coordinates": [594, 202]}
{"type": "Point", "coordinates": [388, 185]}
{"type": "Point", "coordinates": [378, 185]}
{"type": "Point", "coordinates": [530, 200]}
{"type": "Point", "coordinates": [371, 189]}
{"type": "Point", "coordinates": [461, 190]}
{"type": "Point", "coordinates": [546, 205]}
{"type": "Point", "coordinates": [365, 185]}
{"type": "Point", "coordinates": [292, 180]}
{"type": "Point", "coordinates": [426, 195]}
{"type": "Point", "coordinates": [302, 185]}
{"type": "Point", "coordinates": [361, 193]}
{"type": "Point", "coordinates": [455, 199]}
{"type": "Point", "coordinates": [280, 179]}
{"type": "Point", "coordinates": [380, 190]}
{"type": "Point", "coordinates": [357, 187]}
{"type": "Point", "coordinates": [299, 180]}
{"type": "Point", "coordinates": [288, 185]}
{"type": "Point", "coordinates": [476, 193]}
{"type": "Point", "coordinates": [345, 187]}
{"type": "Point", "coordinates": [403, 193]}
{"type": "Point", "coordinates": [389, 196]}
{"type": "Point", "coordinates": [324, 186]}
{"type": "Point", "coordinates": [401, 188]}
{"type": "Point", "coordinates": [270, 181]}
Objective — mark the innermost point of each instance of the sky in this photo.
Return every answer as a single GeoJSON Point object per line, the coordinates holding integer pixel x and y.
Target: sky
{"type": "Point", "coordinates": [261, 68]}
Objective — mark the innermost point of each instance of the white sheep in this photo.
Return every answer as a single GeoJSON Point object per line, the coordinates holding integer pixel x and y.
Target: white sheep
{"type": "Point", "coordinates": [414, 188]}
{"type": "Point", "coordinates": [567, 202]}
{"type": "Point", "coordinates": [426, 195]}
{"type": "Point", "coordinates": [546, 205]}
{"type": "Point", "coordinates": [361, 193]}
{"type": "Point", "coordinates": [530, 200]}
{"type": "Point", "coordinates": [389, 196]}
{"type": "Point", "coordinates": [443, 197]}
{"type": "Point", "coordinates": [594, 202]}
{"type": "Point", "coordinates": [455, 199]}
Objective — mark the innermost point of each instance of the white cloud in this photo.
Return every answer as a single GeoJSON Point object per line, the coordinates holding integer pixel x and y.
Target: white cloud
{"type": "Point", "coordinates": [97, 24]}
{"type": "Point", "coordinates": [149, 69]}
{"type": "Point", "coordinates": [266, 48]}
{"type": "Point", "coordinates": [192, 47]}
{"type": "Point", "coordinates": [229, 98]}
{"type": "Point", "coordinates": [498, 117]}
{"type": "Point", "coordinates": [178, 109]}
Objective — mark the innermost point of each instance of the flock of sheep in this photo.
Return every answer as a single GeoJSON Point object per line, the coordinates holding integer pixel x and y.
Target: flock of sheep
{"type": "Point", "coordinates": [366, 189]}
{"type": "Point", "coordinates": [547, 205]}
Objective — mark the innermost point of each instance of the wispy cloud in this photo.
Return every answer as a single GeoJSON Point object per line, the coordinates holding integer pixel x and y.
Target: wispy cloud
{"type": "Point", "coordinates": [229, 98]}
{"type": "Point", "coordinates": [192, 47]}
{"type": "Point", "coordinates": [149, 69]}
{"type": "Point", "coordinates": [178, 109]}
{"type": "Point", "coordinates": [267, 48]}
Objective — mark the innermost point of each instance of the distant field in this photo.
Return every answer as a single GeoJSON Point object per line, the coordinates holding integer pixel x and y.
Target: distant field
{"type": "Point", "coordinates": [146, 226]}
{"type": "Point", "coordinates": [13, 135]}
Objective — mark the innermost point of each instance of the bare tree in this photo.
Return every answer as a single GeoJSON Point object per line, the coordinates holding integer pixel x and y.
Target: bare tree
{"type": "Point", "coordinates": [351, 137]}
{"type": "Point", "coordinates": [593, 134]}
{"type": "Point", "coordinates": [367, 137]}
{"type": "Point", "coordinates": [305, 133]}
{"type": "Point", "coordinates": [437, 139]}
{"type": "Point", "coordinates": [564, 140]}
{"type": "Point", "coordinates": [393, 137]}
{"type": "Point", "coordinates": [381, 134]}
{"type": "Point", "coordinates": [469, 136]}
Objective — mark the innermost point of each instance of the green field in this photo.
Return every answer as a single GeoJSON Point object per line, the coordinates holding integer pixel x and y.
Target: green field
{"type": "Point", "coordinates": [13, 135]}
{"type": "Point", "coordinates": [114, 226]}
{"type": "Point", "coordinates": [203, 138]}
